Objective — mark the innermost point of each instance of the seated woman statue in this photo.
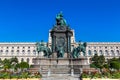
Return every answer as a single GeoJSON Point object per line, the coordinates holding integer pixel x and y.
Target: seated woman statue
{"type": "Point", "coordinates": [60, 20]}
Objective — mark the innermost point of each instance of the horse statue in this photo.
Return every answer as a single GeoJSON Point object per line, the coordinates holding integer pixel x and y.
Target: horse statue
{"type": "Point", "coordinates": [60, 20]}
{"type": "Point", "coordinates": [40, 47]}
{"type": "Point", "coordinates": [81, 48]}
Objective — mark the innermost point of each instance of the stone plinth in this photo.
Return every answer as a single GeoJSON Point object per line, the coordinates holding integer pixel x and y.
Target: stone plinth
{"type": "Point", "coordinates": [61, 65]}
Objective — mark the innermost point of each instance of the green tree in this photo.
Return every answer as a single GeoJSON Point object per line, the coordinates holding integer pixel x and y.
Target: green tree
{"type": "Point", "coordinates": [101, 61]}
{"type": "Point", "coordinates": [6, 64]}
{"type": "Point", "coordinates": [115, 65]}
{"type": "Point", "coordinates": [14, 62]}
{"type": "Point", "coordinates": [1, 64]}
{"type": "Point", "coordinates": [98, 61]}
{"type": "Point", "coordinates": [23, 65]}
{"type": "Point", "coordinates": [14, 59]}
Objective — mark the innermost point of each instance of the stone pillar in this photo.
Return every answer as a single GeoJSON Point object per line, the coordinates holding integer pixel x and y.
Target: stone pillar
{"type": "Point", "coordinates": [72, 72]}
{"type": "Point", "coordinates": [69, 44]}
{"type": "Point", "coordinates": [88, 61]}
{"type": "Point", "coordinates": [49, 72]}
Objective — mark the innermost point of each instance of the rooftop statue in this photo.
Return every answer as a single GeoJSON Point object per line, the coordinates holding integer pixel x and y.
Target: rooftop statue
{"type": "Point", "coordinates": [40, 47]}
{"type": "Point", "coordinates": [60, 20]}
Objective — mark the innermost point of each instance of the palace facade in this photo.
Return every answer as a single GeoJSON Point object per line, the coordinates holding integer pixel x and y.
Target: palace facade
{"type": "Point", "coordinates": [26, 51]}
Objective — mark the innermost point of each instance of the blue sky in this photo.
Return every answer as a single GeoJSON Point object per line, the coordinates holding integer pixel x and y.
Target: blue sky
{"type": "Point", "coordinates": [30, 20]}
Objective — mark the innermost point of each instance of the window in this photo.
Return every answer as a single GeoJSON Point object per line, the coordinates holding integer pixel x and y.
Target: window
{"type": "Point", "coordinates": [23, 51]}
{"type": "Point", "coordinates": [106, 53]}
{"type": "Point", "coordinates": [94, 47]}
{"type": "Point", "coordinates": [100, 52]}
{"type": "Point", "coordinates": [12, 47]}
{"type": "Point", "coordinates": [1, 51]}
{"type": "Point", "coordinates": [12, 51]}
{"type": "Point", "coordinates": [116, 47]}
{"type": "Point", "coordinates": [95, 52]}
{"type": "Point", "coordinates": [112, 53]}
{"type": "Point", "coordinates": [22, 60]}
{"type": "Point", "coordinates": [89, 52]}
{"type": "Point", "coordinates": [23, 47]}
{"type": "Point", "coordinates": [28, 51]}
{"type": "Point", "coordinates": [117, 53]}
{"type": "Point", "coordinates": [18, 51]}
{"type": "Point", "coordinates": [28, 47]}
{"type": "Point", "coordinates": [7, 47]}
{"type": "Point", "coordinates": [28, 60]}
{"type": "Point", "coordinates": [18, 47]}
{"type": "Point", "coordinates": [105, 47]}
{"type": "Point", "coordinates": [6, 51]}
{"type": "Point", "coordinates": [34, 51]}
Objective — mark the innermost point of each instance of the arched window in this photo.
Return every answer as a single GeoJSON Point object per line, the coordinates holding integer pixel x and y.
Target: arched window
{"type": "Point", "coordinates": [18, 47]}
{"type": "Point", "coordinates": [18, 51]}
{"type": "Point", "coordinates": [12, 51]}
{"type": "Point", "coordinates": [89, 53]}
{"type": "Point", "coordinates": [100, 52]}
{"type": "Point", "coordinates": [27, 60]}
{"type": "Point", "coordinates": [23, 51]}
{"type": "Point", "coordinates": [22, 60]}
{"type": "Point", "coordinates": [117, 53]}
{"type": "Point", "coordinates": [112, 53]}
{"type": "Point", "coordinates": [34, 51]}
{"type": "Point", "coordinates": [6, 51]}
{"type": "Point", "coordinates": [95, 52]}
{"type": "Point", "coordinates": [106, 53]}
{"type": "Point", "coordinates": [28, 51]}
{"type": "Point", "coordinates": [1, 51]}
{"type": "Point", "coordinates": [12, 47]}
{"type": "Point", "coordinates": [7, 47]}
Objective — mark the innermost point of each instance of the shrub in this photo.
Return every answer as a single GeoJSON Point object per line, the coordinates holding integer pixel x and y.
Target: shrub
{"type": "Point", "coordinates": [116, 75]}
{"type": "Point", "coordinates": [84, 75]}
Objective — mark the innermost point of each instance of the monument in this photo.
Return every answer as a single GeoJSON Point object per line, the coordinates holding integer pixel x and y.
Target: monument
{"type": "Point", "coordinates": [61, 38]}
{"type": "Point", "coordinates": [59, 58]}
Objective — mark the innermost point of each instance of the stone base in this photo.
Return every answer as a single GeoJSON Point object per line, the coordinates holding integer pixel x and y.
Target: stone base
{"type": "Point", "coordinates": [48, 66]}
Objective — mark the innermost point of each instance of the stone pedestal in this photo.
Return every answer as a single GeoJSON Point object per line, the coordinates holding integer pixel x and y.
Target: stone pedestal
{"type": "Point", "coordinates": [62, 66]}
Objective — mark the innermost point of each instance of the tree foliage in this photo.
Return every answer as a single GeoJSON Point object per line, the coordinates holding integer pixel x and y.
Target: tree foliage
{"type": "Point", "coordinates": [24, 65]}
{"type": "Point", "coordinates": [98, 61]}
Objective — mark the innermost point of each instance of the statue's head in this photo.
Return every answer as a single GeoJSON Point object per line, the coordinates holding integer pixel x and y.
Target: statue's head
{"type": "Point", "coordinates": [61, 14]}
